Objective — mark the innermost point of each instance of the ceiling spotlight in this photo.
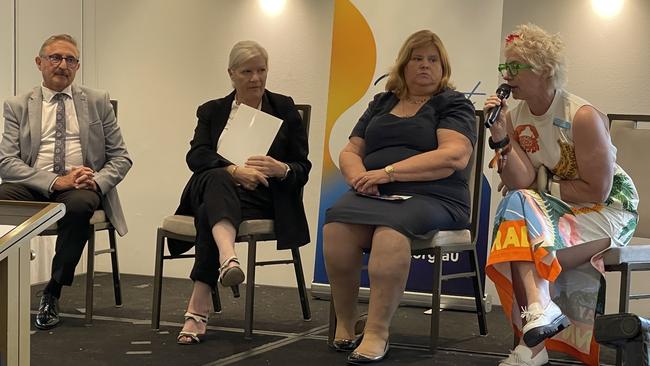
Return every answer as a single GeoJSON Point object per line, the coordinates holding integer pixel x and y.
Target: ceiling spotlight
{"type": "Point", "coordinates": [272, 7]}
{"type": "Point", "coordinates": [607, 8]}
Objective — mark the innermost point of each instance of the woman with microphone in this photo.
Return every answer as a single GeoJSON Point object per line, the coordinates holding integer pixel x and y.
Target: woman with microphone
{"type": "Point", "coordinates": [567, 202]}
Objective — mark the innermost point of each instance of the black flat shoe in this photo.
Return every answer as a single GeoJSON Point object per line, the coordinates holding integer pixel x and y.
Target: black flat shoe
{"type": "Point", "coordinates": [48, 313]}
{"type": "Point", "coordinates": [346, 345]}
{"type": "Point", "coordinates": [356, 358]}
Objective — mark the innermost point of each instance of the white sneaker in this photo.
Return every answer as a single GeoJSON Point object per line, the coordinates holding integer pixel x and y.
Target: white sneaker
{"type": "Point", "coordinates": [521, 356]}
{"type": "Point", "coordinates": [542, 323]}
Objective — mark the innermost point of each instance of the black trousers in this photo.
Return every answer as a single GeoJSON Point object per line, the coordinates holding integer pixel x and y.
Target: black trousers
{"type": "Point", "coordinates": [215, 197]}
{"type": "Point", "coordinates": [72, 229]}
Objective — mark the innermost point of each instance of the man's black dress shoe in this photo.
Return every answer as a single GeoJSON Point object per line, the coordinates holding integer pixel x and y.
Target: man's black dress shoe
{"type": "Point", "coordinates": [48, 313]}
{"type": "Point", "coordinates": [356, 358]}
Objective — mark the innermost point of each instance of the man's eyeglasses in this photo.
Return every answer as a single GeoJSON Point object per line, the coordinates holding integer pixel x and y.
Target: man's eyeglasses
{"type": "Point", "coordinates": [512, 68]}
{"type": "Point", "coordinates": [56, 59]}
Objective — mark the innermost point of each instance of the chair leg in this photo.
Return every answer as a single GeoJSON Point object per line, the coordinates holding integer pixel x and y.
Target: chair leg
{"type": "Point", "coordinates": [624, 295]}
{"type": "Point", "coordinates": [216, 299]}
{"type": "Point", "coordinates": [157, 280]}
{"type": "Point", "coordinates": [90, 275]}
{"type": "Point", "coordinates": [436, 292]}
{"type": "Point", "coordinates": [250, 288]}
{"type": "Point", "coordinates": [478, 293]}
{"type": "Point", "coordinates": [117, 289]}
{"type": "Point", "coordinates": [623, 307]}
{"type": "Point", "coordinates": [300, 279]}
{"type": "Point", "coordinates": [619, 356]}
{"type": "Point", "coordinates": [331, 331]}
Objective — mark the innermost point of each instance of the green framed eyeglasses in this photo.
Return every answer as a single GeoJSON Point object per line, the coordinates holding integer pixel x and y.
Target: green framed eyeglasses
{"type": "Point", "coordinates": [512, 68]}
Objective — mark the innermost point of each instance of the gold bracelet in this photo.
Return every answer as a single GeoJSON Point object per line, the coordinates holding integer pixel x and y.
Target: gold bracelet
{"type": "Point", "coordinates": [232, 173]}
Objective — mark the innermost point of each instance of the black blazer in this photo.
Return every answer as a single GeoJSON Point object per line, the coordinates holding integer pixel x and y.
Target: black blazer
{"type": "Point", "coordinates": [289, 146]}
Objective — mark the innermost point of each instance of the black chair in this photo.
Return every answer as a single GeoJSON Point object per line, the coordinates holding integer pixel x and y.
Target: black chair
{"type": "Point", "coordinates": [631, 143]}
{"type": "Point", "coordinates": [98, 222]}
{"type": "Point", "coordinates": [251, 231]}
{"type": "Point", "coordinates": [452, 241]}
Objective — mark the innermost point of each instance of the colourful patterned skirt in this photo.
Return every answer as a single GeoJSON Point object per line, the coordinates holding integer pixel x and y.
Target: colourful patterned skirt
{"type": "Point", "coordinates": [531, 227]}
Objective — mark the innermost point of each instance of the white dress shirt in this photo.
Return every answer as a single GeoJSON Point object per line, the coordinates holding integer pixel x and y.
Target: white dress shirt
{"type": "Point", "coordinates": [73, 156]}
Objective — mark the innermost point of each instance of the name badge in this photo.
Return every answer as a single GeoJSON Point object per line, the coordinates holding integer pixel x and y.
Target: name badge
{"type": "Point", "coordinates": [561, 123]}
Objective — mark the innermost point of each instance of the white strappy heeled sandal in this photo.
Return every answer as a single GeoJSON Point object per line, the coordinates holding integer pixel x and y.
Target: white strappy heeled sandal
{"type": "Point", "coordinates": [231, 276]}
{"type": "Point", "coordinates": [195, 338]}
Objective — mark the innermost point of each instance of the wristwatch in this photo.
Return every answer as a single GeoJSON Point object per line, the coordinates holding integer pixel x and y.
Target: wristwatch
{"type": "Point", "coordinates": [390, 170]}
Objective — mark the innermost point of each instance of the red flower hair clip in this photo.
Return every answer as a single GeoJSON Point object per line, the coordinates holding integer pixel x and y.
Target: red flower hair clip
{"type": "Point", "coordinates": [511, 37]}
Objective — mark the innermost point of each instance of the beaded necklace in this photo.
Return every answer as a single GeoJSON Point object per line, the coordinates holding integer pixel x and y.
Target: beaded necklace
{"type": "Point", "coordinates": [412, 101]}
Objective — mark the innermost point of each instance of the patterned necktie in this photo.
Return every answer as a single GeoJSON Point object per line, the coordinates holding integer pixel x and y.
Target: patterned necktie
{"type": "Point", "coordinates": [59, 136]}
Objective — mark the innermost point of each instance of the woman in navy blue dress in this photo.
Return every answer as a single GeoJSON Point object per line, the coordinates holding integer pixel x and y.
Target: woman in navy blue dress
{"type": "Point", "coordinates": [415, 139]}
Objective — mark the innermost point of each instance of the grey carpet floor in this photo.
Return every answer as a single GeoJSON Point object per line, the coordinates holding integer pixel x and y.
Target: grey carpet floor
{"type": "Point", "coordinates": [123, 336]}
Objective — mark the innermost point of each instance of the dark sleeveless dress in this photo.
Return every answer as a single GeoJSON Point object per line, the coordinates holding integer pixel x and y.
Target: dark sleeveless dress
{"type": "Point", "coordinates": [441, 204]}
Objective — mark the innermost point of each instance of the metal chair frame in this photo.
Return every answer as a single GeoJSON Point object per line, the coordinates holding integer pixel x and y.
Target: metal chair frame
{"type": "Point", "coordinates": [627, 268]}
{"type": "Point", "coordinates": [252, 241]}
{"type": "Point", "coordinates": [90, 264]}
{"type": "Point", "coordinates": [438, 251]}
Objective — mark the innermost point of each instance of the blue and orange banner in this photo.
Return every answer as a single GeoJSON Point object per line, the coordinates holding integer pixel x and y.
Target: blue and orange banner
{"type": "Point", "coordinates": [365, 39]}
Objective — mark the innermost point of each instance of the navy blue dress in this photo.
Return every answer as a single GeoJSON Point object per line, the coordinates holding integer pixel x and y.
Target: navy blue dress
{"type": "Point", "coordinates": [442, 204]}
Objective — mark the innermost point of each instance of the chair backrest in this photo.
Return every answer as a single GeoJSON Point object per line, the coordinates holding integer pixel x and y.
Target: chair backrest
{"type": "Point", "coordinates": [476, 176]}
{"type": "Point", "coordinates": [631, 135]}
{"type": "Point", "coordinates": [305, 112]}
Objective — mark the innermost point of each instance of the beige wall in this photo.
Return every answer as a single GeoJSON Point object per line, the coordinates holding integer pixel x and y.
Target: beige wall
{"type": "Point", "coordinates": [35, 21]}
{"type": "Point", "coordinates": [6, 49]}
{"type": "Point", "coordinates": [161, 61]}
{"type": "Point", "coordinates": [607, 58]}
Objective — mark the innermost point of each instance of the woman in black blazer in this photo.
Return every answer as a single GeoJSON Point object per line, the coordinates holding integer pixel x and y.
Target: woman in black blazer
{"type": "Point", "coordinates": [220, 194]}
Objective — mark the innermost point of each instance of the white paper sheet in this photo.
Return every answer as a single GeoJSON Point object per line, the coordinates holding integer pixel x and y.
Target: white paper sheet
{"type": "Point", "coordinates": [251, 133]}
{"type": "Point", "coordinates": [385, 197]}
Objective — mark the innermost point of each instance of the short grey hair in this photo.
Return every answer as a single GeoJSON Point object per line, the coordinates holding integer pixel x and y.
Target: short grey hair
{"type": "Point", "coordinates": [243, 51]}
{"type": "Point", "coordinates": [55, 38]}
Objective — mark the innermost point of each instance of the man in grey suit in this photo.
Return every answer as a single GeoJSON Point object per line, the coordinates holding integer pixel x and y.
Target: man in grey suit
{"type": "Point", "coordinates": [61, 143]}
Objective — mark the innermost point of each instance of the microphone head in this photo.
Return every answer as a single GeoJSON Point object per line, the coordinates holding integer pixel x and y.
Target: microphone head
{"type": "Point", "coordinates": [503, 92]}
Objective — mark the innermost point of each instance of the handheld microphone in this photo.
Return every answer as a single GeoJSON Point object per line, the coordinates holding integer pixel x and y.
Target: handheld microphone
{"type": "Point", "coordinates": [503, 92]}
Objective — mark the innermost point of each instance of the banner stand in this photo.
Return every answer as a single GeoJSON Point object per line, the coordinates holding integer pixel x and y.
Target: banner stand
{"type": "Point", "coordinates": [321, 291]}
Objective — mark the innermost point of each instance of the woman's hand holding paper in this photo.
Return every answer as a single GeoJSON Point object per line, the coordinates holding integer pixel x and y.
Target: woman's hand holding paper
{"type": "Point", "coordinates": [267, 166]}
{"type": "Point", "coordinates": [249, 177]}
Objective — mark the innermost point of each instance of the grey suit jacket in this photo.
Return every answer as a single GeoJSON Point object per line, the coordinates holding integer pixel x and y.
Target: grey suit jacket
{"type": "Point", "coordinates": [102, 146]}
